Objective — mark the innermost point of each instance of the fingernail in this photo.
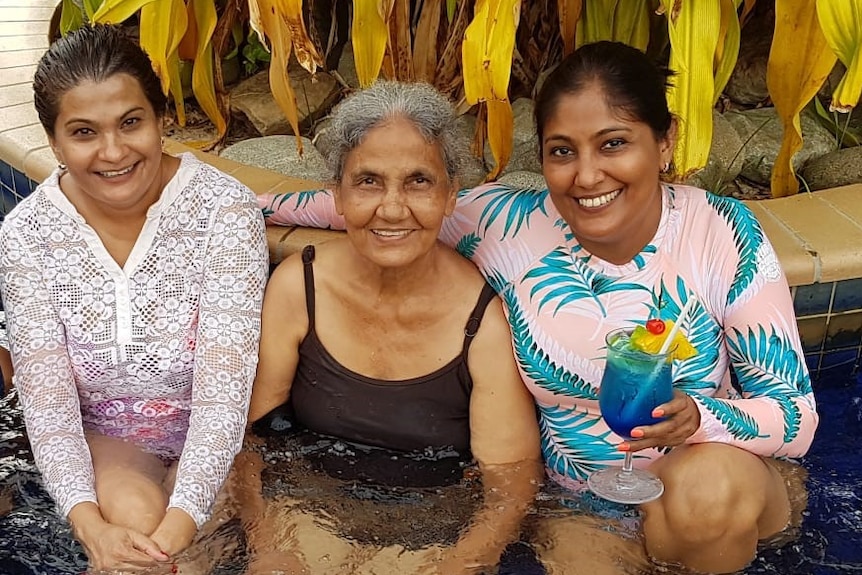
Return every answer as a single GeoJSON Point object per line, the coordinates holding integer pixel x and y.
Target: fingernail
{"type": "Point", "coordinates": [624, 446]}
{"type": "Point", "coordinates": [637, 433]}
{"type": "Point", "coordinates": [658, 413]}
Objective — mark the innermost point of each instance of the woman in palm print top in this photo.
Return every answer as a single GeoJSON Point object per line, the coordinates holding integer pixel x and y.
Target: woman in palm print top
{"type": "Point", "coordinates": [608, 245]}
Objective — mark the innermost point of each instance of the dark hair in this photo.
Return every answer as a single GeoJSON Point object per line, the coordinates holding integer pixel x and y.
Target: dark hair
{"type": "Point", "coordinates": [632, 84]}
{"type": "Point", "coordinates": [91, 54]}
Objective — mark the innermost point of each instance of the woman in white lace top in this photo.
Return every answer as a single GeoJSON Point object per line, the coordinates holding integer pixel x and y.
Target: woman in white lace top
{"type": "Point", "coordinates": [132, 282]}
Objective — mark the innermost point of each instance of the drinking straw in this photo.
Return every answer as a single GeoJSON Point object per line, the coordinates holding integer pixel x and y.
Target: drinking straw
{"type": "Point", "coordinates": [679, 321]}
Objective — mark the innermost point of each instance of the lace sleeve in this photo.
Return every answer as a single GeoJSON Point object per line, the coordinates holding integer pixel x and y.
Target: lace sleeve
{"type": "Point", "coordinates": [43, 373]}
{"type": "Point", "coordinates": [236, 268]}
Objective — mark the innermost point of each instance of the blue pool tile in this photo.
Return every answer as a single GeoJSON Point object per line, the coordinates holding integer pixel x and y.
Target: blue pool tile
{"type": "Point", "coordinates": [813, 299]}
{"type": "Point", "coordinates": [21, 183]}
{"type": "Point", "coordinates": [812, 332]}
{"type": "Point", "coordinates": [848, 295]}
{"type": "Point", "coordinates": [812, 360]}
{"type": "Point", "coordinates": [844, 330]}
{"type": "Point", "coordinates": [6, 175]}
{"type": "Point", "coordinates": [837, 366]}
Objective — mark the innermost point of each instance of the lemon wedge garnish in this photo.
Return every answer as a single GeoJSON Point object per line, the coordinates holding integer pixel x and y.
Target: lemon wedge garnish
{"type": "Point", "coordinates": [651, 343]}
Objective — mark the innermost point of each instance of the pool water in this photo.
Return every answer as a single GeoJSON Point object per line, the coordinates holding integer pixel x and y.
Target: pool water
{"type": "Point", "coordinates": [33, 540]}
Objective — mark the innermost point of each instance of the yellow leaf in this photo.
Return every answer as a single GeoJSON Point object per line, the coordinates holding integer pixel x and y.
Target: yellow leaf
{"type": "Point", "coordinates": [841, 22]}
{"type": "Point", "coordinates": [90, 8]}
{"type": "Point", "coordinates": [370, 35]}
{"type": "Point", "coordinates": [306, 53]}
{"type": "Point", "coordinates": [500, 128]}
{"type": "Point", "coordinates": [693, 35]}
{"type": "Point", "coordinates": [727, 48]}
{"type": "Point", "coordinates": [71, 17]}
{"type": "Point", "coordinates": [425, 47]}
{"type": "Point", "coordinates": [799, 61]}
{"type": "Point", "coordinates": [116, 11]}
{"type": "Point", "coordinates": [276, 30]}
{"type": "Point", "coordinates": [203, 84]}
{"type": "Point", "coordinates": [486, 52]}
{"type": "Point", "coordinates": [188, 45]}
{"type": "Point", "coordinates": [570, 13]}
{"type": "Point", "coordinates": [631, 23]}
{"type": "Point", "coordinates": [597, 21]}
{"type": "Point", "coordinates": [163, 24]}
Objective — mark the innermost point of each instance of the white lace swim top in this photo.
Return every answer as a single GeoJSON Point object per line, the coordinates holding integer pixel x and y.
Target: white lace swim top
{"type": "Point", "coordinates": [170, 337]}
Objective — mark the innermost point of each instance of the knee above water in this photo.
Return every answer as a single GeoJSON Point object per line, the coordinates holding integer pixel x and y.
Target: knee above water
{"type": "Point", "coordinates": [703, 511]}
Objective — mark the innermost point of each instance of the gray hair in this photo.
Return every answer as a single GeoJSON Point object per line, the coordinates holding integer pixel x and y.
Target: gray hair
{"type": "Point", "coordinates": [420, 104]}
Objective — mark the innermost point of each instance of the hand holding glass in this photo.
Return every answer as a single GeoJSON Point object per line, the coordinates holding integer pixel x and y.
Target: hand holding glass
{"type": "Point", "coordinates": [633, 385]}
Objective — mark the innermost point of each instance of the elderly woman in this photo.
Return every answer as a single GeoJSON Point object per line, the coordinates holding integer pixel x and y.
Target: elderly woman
{"type": "Point", "coordinates": [391, 339]}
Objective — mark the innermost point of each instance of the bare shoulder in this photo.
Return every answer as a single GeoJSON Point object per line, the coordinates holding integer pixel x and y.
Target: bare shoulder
{"type": "Point", "coordinates": [462, 271]}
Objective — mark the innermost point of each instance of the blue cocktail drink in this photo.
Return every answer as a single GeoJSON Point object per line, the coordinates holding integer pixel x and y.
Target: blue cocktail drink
{"type": "Point", "coordinates": [633, 385]}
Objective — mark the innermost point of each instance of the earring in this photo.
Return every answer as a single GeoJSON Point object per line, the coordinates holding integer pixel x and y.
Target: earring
{"type": "Point", "coordinates": [665, 168]}
{"type": "Point", "coordinates": [62, 166]}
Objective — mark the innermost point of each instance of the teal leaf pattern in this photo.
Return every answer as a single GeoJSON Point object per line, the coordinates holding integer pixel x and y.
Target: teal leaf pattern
{"type": "Point", "coordinates": [467, 245]}
{"type": "Point", "coordinates": [518, 204]}
{"type": "Point", "coordinates": [535, 363]}
{"type": "Point", "coordinates": [738, 423]}
{"type": "Point", "coordinates": [748, 237]}
{"type": "Point", "coordinates": [767, 365]}
{"type": "Point", "coordinates": [564, 281]}
{"type": "Point", "coordinates": [569, 447]}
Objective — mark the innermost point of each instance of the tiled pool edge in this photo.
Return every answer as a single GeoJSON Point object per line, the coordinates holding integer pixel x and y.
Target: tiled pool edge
{"type": "Point", "coordinates": [818, 237]}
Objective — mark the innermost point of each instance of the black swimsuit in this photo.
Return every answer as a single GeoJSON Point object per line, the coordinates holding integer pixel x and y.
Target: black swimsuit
{"type": "Point", "coordinates": [407, 415]}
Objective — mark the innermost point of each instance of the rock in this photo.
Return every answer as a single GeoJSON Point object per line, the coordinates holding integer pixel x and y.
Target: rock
{"type": "Point", "coordinates": [279, 154]}
{"type": "Point", "coordinates": [347, 67]}
{"type": "Point", "coordinates": [725, 160]}
{"type": "Point", "coordinates": [761, 131]}
{"type": "Point", "coordinates": [314, 97]}
{"type": "Point", "coordinates": [747, 84]}
{"type": "Point", "coordinates": [524, 180]}
{"type": "Point", "coordinates": [838, 168]}
{"type": "Point", "coordinates": [525, 144]}
{"type": "Point", "coordinates": [473, 170]}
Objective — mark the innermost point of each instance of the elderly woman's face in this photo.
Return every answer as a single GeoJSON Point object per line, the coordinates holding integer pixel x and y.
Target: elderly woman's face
{"type": "Point", "coordinates": [394, 194]}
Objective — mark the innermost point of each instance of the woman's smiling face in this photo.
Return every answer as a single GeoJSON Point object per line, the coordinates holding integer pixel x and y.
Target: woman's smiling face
{"type": "Point", "coordinates": [394, 194]}
{"type": "Point", "coordinates": [602, 170]}
{"type": "Point", "coordinates": [109, 137]}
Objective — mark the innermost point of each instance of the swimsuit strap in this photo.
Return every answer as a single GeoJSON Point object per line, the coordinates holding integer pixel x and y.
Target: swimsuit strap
{"type": "Point", "coordinates": [472, 327]}
{"type": "Point", "coordinates": [308, 272]}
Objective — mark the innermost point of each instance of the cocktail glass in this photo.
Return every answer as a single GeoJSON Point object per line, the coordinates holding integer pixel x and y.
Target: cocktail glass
{"type": "Point", "coordinates": [633, 385]}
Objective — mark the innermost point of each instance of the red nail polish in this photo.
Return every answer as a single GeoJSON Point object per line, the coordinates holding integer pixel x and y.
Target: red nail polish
{"type": "Point", "coordinates": [624, 446]}
{"type": "Point", "coordinates": [637, 433]}
{"type": "Point", "coordinates": [658, 413]}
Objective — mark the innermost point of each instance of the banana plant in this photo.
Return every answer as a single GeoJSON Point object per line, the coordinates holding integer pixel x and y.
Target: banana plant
{"type": "Point", "coordinates": [841, 22]}
{"type": "Point", "coordinates": [486, 58]}
{"type": "Point", "coordinates": [280, 22]}
{"type": "Point", "coordinates": [799, 62]}
{"type": "Point", "coordinates": [163, 27]}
